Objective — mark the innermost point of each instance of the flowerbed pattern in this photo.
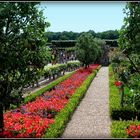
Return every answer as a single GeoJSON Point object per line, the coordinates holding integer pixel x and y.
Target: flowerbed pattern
{"type": "Point", "coordinates": [33, 119]}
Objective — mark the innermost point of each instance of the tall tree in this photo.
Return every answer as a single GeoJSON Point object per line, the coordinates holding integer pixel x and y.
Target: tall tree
{"type": "Point", "coordinates": [87, 49]}
{"type": "Point", "coordinates": [22, 49]}
{"type": "Point", "coordinates": [129, 58]}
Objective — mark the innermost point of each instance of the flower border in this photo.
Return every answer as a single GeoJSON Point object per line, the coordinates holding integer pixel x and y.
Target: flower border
{"type": "Point", "coordinates": [62, 118]}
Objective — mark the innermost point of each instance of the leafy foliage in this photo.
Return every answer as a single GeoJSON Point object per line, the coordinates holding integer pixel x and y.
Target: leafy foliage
{"type": "Point", "coordinates": [57, 128]}
{"type": "Point", "coordinates": [110, 34]}
{"type": "Point", "coordinates": [118, 128]}
{"type": "Point", "coordinates": [88, 48]}
{"type": "Point", "coordinates": [126, 61]}
{"type": "Point", "coordinates": [121, 117]}
{"type": "Point", "coordinates": [23, 53]}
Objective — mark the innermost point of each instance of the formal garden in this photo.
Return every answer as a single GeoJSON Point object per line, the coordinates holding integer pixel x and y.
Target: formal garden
{"type": "Point", "coordinates": [67, 67]}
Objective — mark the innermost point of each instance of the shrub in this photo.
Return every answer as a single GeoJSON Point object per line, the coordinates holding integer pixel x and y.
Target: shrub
{"type": "Point", "coordinates": [51, 71]}
{"type": "Point", "coordinates": [121, 117]}
{"type": "Point", "coordinates": [57, 128]}
{"type": "Point", "coordinates": [23, 121]}
{"type": "Point", "coordinates": [73, 64]}
{"type": "Point", "coordinates": [118, 128]}
{"type": "Point", "coordinates": [116, 111]}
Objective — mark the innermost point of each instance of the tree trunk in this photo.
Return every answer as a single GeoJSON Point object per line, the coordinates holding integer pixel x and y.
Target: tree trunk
{"type": "Point", "coordinates": [1, 118]}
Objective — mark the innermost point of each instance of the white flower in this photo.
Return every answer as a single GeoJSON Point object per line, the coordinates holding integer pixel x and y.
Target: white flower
{"type": "Point", "coordinates": [131, 90]}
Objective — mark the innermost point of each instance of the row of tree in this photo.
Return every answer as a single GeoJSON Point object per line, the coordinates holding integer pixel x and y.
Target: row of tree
{"type": "Point", "coordinates": [65, 35]}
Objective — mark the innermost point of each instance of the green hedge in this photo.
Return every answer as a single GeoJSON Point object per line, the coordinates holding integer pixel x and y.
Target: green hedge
{"type": "Point", "coordinates": [116, 111]}
{"type": "Point", "coordinates": [121, 117]}
{"type": "Point", "coordinates": [118, 128]}
{"type": "Point", "coordinates": [48, 87]}
{"type": "Point", "coordinates": [114, 97]}
{"type": "Point", "coordinates": [61, 119]}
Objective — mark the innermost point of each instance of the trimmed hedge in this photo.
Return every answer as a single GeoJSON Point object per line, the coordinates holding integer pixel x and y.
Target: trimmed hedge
{"type": "Point", "coordinates": [48, 87]}
{"type": "Point", "coordinates": [121, 117]}
{"type": "Point", "coordinates": [32, 96]}
{"type": "Point", "coordinates": [118, 128]}
{"type": "Point", "coordinates": [116, 111]}
{"type": "Point", "coordinates": [114, 97]}
{"type": "Point", "coordinates": [61, 119]}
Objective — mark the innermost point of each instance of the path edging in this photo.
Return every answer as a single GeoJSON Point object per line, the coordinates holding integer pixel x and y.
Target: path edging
{"type": "Point", "coordinates": [62, 118]}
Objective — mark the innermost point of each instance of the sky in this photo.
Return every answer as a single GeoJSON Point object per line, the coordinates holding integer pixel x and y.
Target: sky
{"type": "Point", "coordinates": [83, 16]}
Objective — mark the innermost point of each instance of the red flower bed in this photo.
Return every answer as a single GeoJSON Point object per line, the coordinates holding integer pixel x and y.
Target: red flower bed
{"type": "Point", "coordinates": [133, 131]}
{"type": "Point", "coordinates": [32, 119]}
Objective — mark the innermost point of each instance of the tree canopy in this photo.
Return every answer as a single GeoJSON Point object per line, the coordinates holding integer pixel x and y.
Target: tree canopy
{"type": "Point", "coordinates": [88, 49]}
{"type": "Point", "coordinates": [65, 35]}
{"type": "Point", "coordinates": [127, 58]}
{"type": "Point", "coordinates": [23, 52]}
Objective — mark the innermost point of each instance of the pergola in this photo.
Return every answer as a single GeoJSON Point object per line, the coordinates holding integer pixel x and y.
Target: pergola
{"type": "Point", "coordinates": [111, 42]}
{"type": "Point", "coordinates": [65, 49]}
{"type": "Point", "coordinates": [62, 44]}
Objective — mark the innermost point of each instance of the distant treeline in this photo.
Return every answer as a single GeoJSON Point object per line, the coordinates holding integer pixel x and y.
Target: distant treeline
{"type": "Point", "coordinates": [65, 35]}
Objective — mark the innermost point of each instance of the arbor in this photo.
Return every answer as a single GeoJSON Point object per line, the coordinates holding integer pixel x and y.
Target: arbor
{"type": "Point", "coordinates": [87, 49]}
{"type": "Point", "coordinates": [23, 52]}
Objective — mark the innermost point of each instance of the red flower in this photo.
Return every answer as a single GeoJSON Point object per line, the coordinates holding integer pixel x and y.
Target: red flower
{"type": "Point", "coordinates": [39, 114]}
{"type": "Point", "coordinates": [138, 127]}
{"type": "Point", "coordinates": [118, 83]}
{"type": "Point", "coordinates": [49, 116]}
{"type": "Point", "coordinates": [133, 131]}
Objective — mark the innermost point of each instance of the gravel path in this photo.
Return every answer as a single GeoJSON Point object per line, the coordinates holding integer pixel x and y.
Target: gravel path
{"type": "Point", "coordinates": [91, 118]}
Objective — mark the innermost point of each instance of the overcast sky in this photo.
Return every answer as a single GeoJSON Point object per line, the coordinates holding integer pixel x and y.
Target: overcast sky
{"type": "Point", "coordinates": [84, 16]}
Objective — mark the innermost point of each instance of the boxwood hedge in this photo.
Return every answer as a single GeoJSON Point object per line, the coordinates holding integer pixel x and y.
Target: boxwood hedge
{"type": "Point", "coordinates": [121, 117]}
{"type": "Point", "coordinates": [61, 119]}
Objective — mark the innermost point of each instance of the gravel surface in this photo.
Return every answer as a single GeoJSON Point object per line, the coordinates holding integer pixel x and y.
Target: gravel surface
{"type": "Point", "coordinates": [91, 118]}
